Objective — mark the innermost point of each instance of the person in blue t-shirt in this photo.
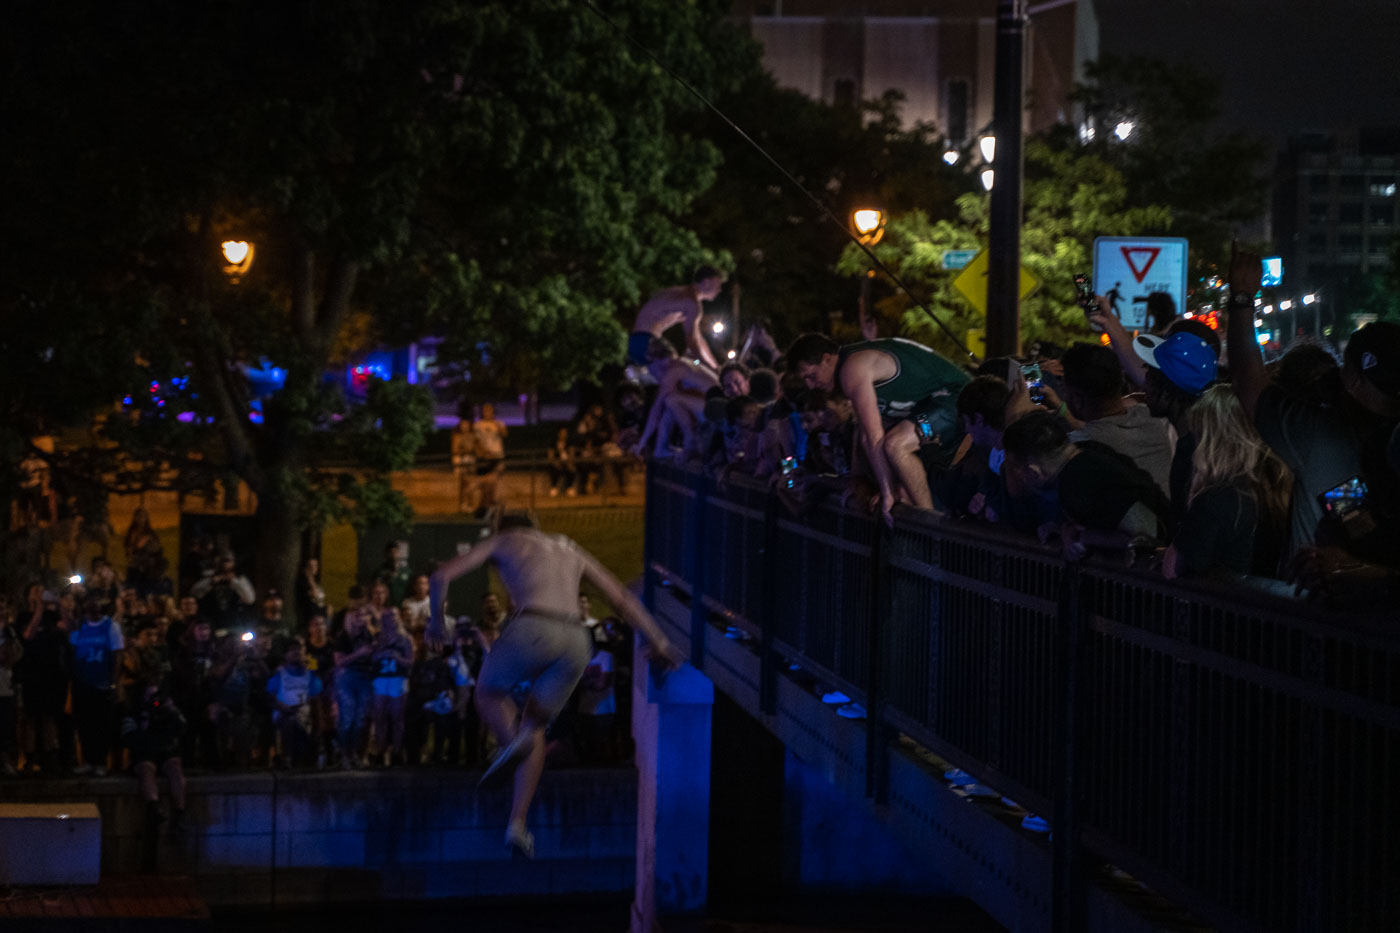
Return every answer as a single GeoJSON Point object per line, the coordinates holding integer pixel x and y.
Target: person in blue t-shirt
{"type": "Point", "coordinates": [292, 688]}
{"type": "Point", "coordinates": [97, 646]}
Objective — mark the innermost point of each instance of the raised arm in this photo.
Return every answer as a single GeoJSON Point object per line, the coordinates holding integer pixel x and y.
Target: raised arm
{"type": "Point", "coordinates": [475, 556]}
{"type": "Point", "coordinates": [632, 611]}
{"type": "Point", "coordinates": [695, 337]}
{"type": "Point", "coordinates": [1247, 375]}
{"type": "Point", "coordinates": [1121, 341]}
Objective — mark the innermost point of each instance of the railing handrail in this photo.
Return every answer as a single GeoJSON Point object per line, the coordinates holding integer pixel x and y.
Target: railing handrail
{"type": "Point", "coordinates": [1201, 674]}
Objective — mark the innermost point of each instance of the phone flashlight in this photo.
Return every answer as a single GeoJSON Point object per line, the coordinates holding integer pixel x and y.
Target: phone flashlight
{"type": "Point", "coordinates": [247, 636]}
{"type": "Point", "coordinates": [75, 579]}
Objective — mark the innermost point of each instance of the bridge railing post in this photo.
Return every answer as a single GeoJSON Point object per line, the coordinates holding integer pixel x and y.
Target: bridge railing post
{"type": "Point", "coordinates": [1068, 893]}
{"type": "Point", "coordinates": [699, 616]}
{"type": "Point", "coordinates": [768, 660]}
{"type": "Point", "coordinates": [877, 734]}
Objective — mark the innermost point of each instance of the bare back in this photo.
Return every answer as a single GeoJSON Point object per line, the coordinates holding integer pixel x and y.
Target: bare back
{"type": "Point", "coordinates": [666, 309]}
{"type": "Point", "coordinates": [540, 571]}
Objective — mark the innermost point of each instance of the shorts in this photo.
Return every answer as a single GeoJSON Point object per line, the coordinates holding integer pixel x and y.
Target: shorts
{"type": "Point", "coordinates": [390, 686]}
{"type": "Point", "coordinates": [550, 652]}
{"type": "Point", "coordinates": [637, 343]}
{"type": "Point", "coordinates": [487, 467]}
{"type": "Point", "coordinates": [939, 429]}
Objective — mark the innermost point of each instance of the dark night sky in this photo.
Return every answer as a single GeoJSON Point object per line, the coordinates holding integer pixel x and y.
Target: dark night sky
{"type": "Point", "coordinates": [1285, 66]}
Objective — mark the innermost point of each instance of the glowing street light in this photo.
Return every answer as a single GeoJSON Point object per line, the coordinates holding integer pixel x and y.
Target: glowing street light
{"type": "Point", "coordinates": [732, 354]}
{"type": "Point", "coordinates": [1268, 309]}
{"type": "Point", "coordinates": [717, 327]}
{"type": "Point", "coordinates": [1309, 299]}
{"type": "Point", "coordinates": [1285, 304]}
{"type": "Point", "coordinates": [988, 178]}
{"type": "Point", "coordinates": [988, 145]}
{"type": "Point", "coordinates": [951, 157]}
{"type": "Point", "coordinates": [868, 224]}
{"type": "Point", "coordinates": [1123, 130]}
{"type": "Point", "coordinates": [238, 256]}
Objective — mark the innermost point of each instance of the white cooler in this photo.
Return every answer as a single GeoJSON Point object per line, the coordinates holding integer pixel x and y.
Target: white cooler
{"type": "Point", "coordinates": [50, 843]}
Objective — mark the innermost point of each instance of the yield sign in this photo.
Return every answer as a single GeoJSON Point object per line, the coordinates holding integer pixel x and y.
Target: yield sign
{"type": "Point", "coordinates": [1146, 255]}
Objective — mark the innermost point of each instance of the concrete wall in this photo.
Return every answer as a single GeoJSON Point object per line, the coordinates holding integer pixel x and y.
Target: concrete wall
{"type": "Point", "coordinates": [265, 839]}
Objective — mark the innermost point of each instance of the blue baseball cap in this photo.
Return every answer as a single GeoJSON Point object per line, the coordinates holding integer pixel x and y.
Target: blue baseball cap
{"type": "Point", "coordinates": [1185, 359]}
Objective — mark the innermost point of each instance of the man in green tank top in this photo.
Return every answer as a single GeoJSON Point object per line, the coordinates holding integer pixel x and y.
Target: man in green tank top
{"type": "Point", "coordinates": [905, 400]}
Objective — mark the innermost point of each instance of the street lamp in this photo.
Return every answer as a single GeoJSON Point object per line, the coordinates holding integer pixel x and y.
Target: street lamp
{"type": "Point", "coordinates": [1285, 305]}
{"type": "Point", "coordinates": [238, 257]}
{"type": "Point", "coordinates": [1123, 130]}
{"type": "Point", "coordinates": [1309, 299]}
{"type": "Point", "coordinates": [988, 145]}
{"type": "Point", "coordinates": [868, 224]}
{"type": "Point", "coordinates": [989, 178]}
{"type": "Point", "coordinates": [950, 157]}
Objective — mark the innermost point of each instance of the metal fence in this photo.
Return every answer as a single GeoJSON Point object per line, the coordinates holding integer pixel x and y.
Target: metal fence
{"type": "Point", "coordinates": [1236, 752]}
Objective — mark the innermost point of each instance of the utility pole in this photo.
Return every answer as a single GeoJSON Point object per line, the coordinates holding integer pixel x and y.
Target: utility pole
{"type": "Point", "coordinates": [1004, 249]}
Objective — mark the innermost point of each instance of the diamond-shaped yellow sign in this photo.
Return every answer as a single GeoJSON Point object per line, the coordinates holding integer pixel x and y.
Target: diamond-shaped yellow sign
{"type": "Point", "coordinates": [972, 282]}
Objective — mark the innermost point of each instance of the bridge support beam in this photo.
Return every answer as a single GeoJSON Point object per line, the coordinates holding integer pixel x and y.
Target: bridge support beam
{"type": "Point", "coordinates": [671, 727]}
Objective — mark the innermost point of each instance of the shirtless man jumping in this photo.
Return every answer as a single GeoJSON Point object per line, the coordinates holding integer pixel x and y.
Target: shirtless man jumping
{"type": "Point", "coordinates": [680, 304]}
{"type": "Point", "coordinates": [545, 643]}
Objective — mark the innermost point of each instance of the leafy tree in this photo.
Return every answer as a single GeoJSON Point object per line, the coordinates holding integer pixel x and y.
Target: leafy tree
{"type": "Point", "coordinates": [1212, 182]}
{"type": "Point", "coordinates": [1070, 198]}
{"type": "Point", "coordinates": [504, 174]}
{"type": "Point", "coordinates": [784, 248]}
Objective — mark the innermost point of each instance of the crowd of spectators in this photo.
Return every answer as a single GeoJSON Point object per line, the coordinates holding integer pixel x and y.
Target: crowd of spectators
{"type": "Point", "coordinates": [1180, 452]}
{"type": "Point", "coordinates": [106, 674]}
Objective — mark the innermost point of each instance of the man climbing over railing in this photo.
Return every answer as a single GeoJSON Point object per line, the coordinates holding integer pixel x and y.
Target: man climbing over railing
{"type": "Point", "coordinates": [905, 398]}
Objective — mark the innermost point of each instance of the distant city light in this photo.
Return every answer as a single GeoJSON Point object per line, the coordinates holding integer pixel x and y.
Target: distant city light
{"type": "Point", "coordinates": [988, 178]}
{"type": "Point", "coordinates": [1123, 130]}
{"type": "Point", "coordinates": [717, 327]}
{"type": "Point", "coordinates": [951, 157]}
{"type": "Point", "coordinates": [1268, 309]}
{"type": "Point", "coordinates": [1285, 304]}
{"type": "Point", "coordinates": [1258, 322]}
{"type": "Point", "coordinates": [867, 221]}
{"type": "Point", "coordinates": [1262, 338]}
{"type": "Point", "coordinates": [75, 579]}
{"type": "Point", "coordinates": [1259, 302]}
{"type": "Point", "coordinates": [1309, 299]}
{"type": "Point", "coordinates": [1086, 133]}
{"type": "Point", "coordinates": [732, 354]}
{"type": "Point", "coordinates": [988, 145]}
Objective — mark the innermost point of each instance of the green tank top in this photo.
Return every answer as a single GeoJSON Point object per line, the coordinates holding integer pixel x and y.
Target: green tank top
{"type": "Point", "coordinates": [922, 376]}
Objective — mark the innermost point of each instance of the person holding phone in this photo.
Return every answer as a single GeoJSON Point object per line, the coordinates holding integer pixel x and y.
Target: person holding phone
{"type": "Point", "coordinates": [1329, 437]}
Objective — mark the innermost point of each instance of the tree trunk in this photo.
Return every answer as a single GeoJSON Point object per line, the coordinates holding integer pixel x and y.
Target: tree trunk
{"type": "Point", "coordinates": [278, 536]}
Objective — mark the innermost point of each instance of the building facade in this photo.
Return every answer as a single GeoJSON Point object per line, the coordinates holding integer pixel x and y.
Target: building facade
{"type": "Point", "coordinates": [1335, 205]}
{"type": "Point", "coordinates": [939, 53]}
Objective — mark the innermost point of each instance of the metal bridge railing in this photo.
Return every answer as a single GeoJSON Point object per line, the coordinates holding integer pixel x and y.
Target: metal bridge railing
{"type": "Point", "coordinates": [1236, 752]}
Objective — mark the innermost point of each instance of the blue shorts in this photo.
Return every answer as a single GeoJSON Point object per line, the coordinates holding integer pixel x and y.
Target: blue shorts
{"type": "Point", "coordinates": [637, 343]}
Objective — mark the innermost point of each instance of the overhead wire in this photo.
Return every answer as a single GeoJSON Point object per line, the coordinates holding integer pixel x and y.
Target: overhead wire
{"type": "Point", "coordinates": [820, 204]}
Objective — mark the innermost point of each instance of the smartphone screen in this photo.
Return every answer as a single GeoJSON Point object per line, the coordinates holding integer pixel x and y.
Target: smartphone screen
{"type": "Point", "coordinates": [1031, 373]}
{"type": "Point", "coordinates": [1344, 498]}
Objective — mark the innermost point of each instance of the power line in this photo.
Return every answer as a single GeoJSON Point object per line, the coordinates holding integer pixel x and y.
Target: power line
{"type": "Point", "coordinates": [821, 205]}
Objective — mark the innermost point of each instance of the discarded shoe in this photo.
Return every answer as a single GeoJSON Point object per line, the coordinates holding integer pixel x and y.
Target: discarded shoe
{"type": "Point", "coordinates": [851, 711]}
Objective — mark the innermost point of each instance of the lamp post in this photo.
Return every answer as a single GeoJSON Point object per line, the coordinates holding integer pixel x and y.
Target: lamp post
{"type": "Point", "coordinates": [868, 224]}
{"type": "Point", "coordinates": [1004, 149]}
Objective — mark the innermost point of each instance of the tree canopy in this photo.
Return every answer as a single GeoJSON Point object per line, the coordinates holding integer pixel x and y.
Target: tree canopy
{"type": "Point", "coordinates": [502, 174]}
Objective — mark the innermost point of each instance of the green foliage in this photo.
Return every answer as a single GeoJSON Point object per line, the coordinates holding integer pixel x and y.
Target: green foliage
{"type": "Point", "coordinates": [784, 246]}
{"type": "Point", "coordinates": [1070, 198]}
{"type": "Point", "coordinates": [506, 174]}
{"type": "Point", "coordinates": [1212, 182]}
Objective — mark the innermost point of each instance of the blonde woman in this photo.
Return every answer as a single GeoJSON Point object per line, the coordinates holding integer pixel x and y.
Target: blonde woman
{"type": "Point", "coordinates": [1237, 507]}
